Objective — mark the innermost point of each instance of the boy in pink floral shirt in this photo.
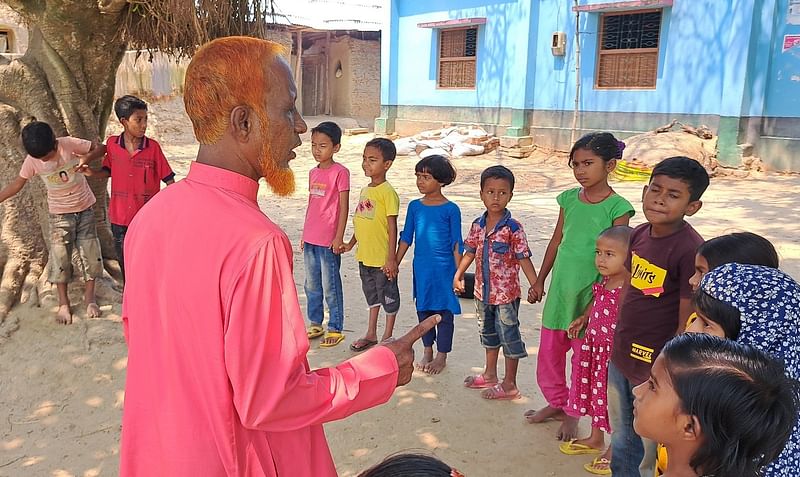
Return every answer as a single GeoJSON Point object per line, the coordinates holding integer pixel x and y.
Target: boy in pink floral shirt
{"type": "Point", "coordinates": [499, 247]}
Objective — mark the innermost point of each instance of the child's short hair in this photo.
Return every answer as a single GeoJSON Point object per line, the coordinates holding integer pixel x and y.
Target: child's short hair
{"type": "Point", "coordinates": [498, 172]}
{"type": "Point", "coordinates": [739, 247]}
{"type": "Point", "coordinates": [126, 105]}
{"type": "Point", "coordinates": [728, 317]}
{"type": "Point", "coordinates": [620, 233]}
{"type": "Point", "coordinates": [688, 170]}
{"type": "Point", "coordinates": [439, 167]}
{"type": "Point", "coordinates": [604, 144]}
{"type": "Point", "coordinates": [745, 403]}
{"type": "Point", "coordinates": [38, 139]}
{"type": "Point", "coordinates": [330, 129]}
{"type": "Point", "coordinates": [387, 148]}
{"type": "Point", "coordinates": [408, 465]}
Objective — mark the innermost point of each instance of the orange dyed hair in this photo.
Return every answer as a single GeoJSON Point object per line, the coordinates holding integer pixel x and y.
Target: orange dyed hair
{"type": "Point", "coordinates": [223, 74]}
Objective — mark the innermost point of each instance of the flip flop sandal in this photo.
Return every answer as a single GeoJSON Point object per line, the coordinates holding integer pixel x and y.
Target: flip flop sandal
{"type": "Point", "coordinates": [362, 344]}
{"type": "Point", "coordinates": [331, 339]}
{"type": "Point", "coordinates": [477, 381]}
{"type": "Point", "coordinates": [593, 469]}
{"type": "Point", "coordinates": [314, 331]}
{"type": "Point", "coordinates": [497, 392]}
{"type": "Point", "coordinates": [573, 448]}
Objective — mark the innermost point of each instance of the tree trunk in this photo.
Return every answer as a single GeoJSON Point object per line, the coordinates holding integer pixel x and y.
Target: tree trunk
{"type": "Point", "coordinates": [66, 78]}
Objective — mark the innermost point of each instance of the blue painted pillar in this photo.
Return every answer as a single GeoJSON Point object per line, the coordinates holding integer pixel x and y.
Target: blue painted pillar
{"type": "Point", "coordinates": [734, 97]}
{"type": "Point", "coordinates": [385, 124]}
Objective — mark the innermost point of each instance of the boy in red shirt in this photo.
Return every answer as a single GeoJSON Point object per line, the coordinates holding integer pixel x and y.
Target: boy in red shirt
{"type": "Point", "coordinates": [136, 165]}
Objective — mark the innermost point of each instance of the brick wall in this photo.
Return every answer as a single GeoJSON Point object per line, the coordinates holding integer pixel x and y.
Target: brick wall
{"type": "Point", "coordinates": [365, 84]}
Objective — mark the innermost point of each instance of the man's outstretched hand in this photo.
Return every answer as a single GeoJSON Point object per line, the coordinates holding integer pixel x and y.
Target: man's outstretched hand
{"type": "Point", "coordinates": [403, 348]}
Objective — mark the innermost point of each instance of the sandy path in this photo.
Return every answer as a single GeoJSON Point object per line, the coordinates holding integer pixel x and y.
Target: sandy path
{"type": "Point", "coordinates": [62, 387]}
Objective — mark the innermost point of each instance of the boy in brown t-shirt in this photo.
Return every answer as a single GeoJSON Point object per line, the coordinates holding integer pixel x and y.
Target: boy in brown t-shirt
{"type": "Point", "coordinates": [657, 301]}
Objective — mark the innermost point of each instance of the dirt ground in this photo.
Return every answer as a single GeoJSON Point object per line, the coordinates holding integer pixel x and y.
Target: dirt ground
{"type": "Point", "coordinates": [62, 387]}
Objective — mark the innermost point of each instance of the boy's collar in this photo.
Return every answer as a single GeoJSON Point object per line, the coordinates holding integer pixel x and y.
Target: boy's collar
{"type": "Point", "coordinates": [142, 145]}
{"type": "Point", "coordinates": [503, 220]}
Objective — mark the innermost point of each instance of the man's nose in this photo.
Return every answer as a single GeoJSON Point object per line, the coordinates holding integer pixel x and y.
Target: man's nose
{"type": "Point", "coordinates": [300, 125]}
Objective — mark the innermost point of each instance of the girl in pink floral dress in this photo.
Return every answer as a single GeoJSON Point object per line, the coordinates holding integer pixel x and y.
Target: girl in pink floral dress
{"type": "Point", "coordinates": [588, 396]}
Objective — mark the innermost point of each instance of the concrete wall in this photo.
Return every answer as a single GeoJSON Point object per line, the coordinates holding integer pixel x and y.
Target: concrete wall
{"type": "Point", "coordinates": [10, 21]}
{"type": "Point", "coordinates": [722, 64]}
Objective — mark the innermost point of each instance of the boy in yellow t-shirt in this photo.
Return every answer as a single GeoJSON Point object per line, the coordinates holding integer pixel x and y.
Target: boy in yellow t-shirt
{"type": "Point", "coordinates": [375, 224]}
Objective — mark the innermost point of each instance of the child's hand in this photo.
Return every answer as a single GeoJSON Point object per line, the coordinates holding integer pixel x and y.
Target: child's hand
{"type": "Point", "coordinates": [390, 269]}
{"type": "Point", "coordinates": [458, 285]}
{"type": "Point", "coordinates": [337, 246]}
{"type": "Point", "coordinates": [577, 325]}
{"type": "Point", "coordinates": [532, 298]}
{"type": "Point", "coordinates": [347, 247]}
{"type": "Point", "coordinates": [536, 292]}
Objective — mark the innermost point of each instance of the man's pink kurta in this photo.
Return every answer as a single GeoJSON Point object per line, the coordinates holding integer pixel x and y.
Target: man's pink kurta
{"type": "Point", "coordinates": [218, 382]}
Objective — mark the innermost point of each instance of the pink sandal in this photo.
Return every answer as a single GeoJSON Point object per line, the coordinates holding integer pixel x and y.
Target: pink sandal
{"type": "Point", "coordinates": [497, 392]}
{"type": "Point", "coordinates": [477, 381]}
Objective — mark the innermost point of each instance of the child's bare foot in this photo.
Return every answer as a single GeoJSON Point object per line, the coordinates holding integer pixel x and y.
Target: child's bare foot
{"type": "Point", "coordinates": [568, 429]}
{"type": "Point", "coordinates": [544, 414]}
{"type": "Point", "coordinates": [437, 365]}
{"type": "Point", "coordinates": [92, 310]}
{"type": "Point", "coordinates": [427, 357]}
{"type": "Point", "coordinates": [64, 315]}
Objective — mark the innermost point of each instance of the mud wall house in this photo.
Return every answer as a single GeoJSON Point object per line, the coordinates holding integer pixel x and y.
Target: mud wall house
{"type": "Point", "coordinates": [336, 53]}
{"type": "Point", "coordinates": [515, 67]}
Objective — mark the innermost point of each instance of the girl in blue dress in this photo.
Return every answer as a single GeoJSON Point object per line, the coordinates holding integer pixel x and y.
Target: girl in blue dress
{"type": "Point", "coordinates": [435, 222]}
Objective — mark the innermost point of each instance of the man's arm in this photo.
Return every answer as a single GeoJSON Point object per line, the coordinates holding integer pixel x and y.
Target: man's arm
{"type": "Point", "coordinates": [265, 348]}
{"type": "Point", "coordinates": [13, 188]}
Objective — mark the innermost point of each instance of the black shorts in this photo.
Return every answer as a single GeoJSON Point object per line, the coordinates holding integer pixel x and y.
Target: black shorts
{"type": "Point", "coordinates": [379, 290]}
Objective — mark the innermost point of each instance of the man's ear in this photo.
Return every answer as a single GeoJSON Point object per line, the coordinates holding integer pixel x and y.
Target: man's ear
{"type": "Point", "coordinates": [241, 123]}
{"type": "Point", "coordinates": [693, 207]}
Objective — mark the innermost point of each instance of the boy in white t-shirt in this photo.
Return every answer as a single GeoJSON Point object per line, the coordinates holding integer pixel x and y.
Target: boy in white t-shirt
{"type": "Point", "coordinates": [326, 219]}
{"type": "Point", "coordinates": [70, 202]}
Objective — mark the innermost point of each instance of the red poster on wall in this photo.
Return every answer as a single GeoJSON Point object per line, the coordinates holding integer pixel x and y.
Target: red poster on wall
{"type": "Point", "coordinates": [790, 41]}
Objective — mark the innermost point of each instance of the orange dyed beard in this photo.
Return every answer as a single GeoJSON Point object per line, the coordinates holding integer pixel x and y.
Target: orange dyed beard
{"type": "Point", "coordinates": [279, 179]}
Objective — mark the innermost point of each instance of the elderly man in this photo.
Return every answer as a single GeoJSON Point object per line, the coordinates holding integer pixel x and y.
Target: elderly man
{"type": "Point", "coordinates": [218, 382]}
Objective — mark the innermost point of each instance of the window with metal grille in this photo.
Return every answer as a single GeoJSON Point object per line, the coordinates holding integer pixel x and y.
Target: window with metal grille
{"type": "Point", "coordinates": [628, 52]}
{"type": "Point", "coordinates": [457, 57]}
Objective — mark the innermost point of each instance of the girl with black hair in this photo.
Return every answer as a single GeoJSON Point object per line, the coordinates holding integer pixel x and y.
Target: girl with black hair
{"type": "Point", "coordinates": [757, 306]}
{"type": "Point", "coordinates": [720, 408]}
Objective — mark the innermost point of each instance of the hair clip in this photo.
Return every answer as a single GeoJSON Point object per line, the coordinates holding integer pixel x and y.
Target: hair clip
{"type": "Point", "coordinates": [620, 148]}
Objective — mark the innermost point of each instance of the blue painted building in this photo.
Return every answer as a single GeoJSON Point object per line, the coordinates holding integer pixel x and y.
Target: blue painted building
{"type": "Point", "coordinates": [514, 66]}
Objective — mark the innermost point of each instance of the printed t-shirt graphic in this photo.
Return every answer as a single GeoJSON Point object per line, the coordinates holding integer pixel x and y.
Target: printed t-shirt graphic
{"type": "Point", "coordinates": [646, 276]}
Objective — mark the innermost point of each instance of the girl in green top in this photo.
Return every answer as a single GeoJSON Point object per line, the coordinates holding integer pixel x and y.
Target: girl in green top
{"type": "Point", "coordinates": [585, 212]}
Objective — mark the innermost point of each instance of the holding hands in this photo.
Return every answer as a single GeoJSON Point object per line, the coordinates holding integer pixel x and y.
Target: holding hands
{"type": "Point", "coordinates": [577, 325]}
